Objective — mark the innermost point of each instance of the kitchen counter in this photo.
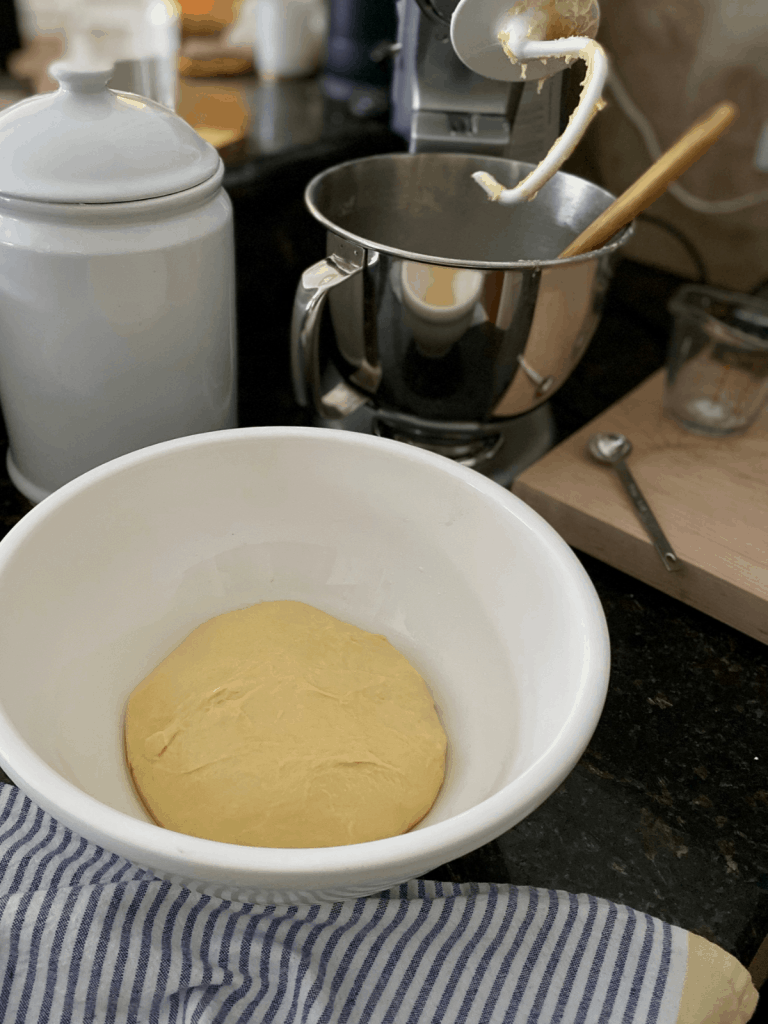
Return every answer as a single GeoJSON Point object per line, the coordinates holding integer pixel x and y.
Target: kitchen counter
{"type": "Point", "coordinates": [668, 808]}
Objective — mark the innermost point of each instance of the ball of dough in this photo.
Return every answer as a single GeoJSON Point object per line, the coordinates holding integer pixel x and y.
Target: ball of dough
{"type": "Point", "coordinates": [279, 725]}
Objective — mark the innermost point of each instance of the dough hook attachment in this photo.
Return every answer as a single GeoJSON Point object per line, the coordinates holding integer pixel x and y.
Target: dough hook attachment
{"type": "Point", "coordinates": [512, 45]}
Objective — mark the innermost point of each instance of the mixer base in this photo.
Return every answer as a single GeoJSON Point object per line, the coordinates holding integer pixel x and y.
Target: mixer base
{"type": "Point", "coordinates": [503, 456]}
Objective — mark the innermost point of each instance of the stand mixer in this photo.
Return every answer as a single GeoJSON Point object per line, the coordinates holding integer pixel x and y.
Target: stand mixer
{"type": "Point", "coordinates": [452, 319]}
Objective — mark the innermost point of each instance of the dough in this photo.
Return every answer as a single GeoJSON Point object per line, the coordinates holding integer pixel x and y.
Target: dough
{"type": "Point", "coordinates": [279, 725]}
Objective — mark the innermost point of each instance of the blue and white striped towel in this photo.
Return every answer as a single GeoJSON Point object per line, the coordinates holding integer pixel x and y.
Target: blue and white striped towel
{"type": "Point", "coordinates": [85, 936]}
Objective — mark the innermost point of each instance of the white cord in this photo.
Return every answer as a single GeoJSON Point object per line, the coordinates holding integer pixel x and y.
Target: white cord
{"type": "Point", "coordinates": [633, 114]}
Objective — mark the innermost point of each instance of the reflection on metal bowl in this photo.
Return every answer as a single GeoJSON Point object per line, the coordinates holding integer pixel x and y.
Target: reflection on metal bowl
{"type": "Point", "coordinates": [446, 309]}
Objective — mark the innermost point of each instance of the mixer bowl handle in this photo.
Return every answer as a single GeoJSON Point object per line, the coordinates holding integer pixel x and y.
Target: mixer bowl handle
{"type": "Point", "coordinates": [311, 294]}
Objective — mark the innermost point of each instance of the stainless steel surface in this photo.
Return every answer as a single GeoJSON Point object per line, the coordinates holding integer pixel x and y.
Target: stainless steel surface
{"type": "Point", "coordinates": [313, 288]}
{"type": "Point", "coordinates": [438, 12]}
{"type": "Point", "coordinates": [502, 454]}
{"type": "Point", "coordinates": [438, 104]}
{"type": "Point", "coordinates": [510, 325]}
{"type": "Point", "coordinates": [613, 449]}
{"type": "Point", "coordinates": [425, 207]}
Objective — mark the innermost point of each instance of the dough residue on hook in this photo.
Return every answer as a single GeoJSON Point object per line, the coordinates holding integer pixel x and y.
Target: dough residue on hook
{"type": "Point", "coordinates": [570, 23]}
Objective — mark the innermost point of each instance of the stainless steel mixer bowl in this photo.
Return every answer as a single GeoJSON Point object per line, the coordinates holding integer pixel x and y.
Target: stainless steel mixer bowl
{"type": "Point", "coordinates": [452, 351]}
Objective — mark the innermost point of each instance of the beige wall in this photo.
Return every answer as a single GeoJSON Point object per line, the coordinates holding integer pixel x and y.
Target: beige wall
{"type": "Point", "coordinates": [677, 59]}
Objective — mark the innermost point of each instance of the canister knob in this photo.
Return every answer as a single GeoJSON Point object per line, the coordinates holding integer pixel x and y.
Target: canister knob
{"type": "Point", "coordinates": [74, 79]}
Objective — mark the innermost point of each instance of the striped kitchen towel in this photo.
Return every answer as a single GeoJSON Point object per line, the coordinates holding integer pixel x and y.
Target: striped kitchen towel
{"type": "Point", "coordinates": [85, 936]}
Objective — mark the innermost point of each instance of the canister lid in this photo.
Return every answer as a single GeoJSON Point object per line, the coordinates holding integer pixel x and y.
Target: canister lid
{"type": "Point", "coordinates": [86, 143]}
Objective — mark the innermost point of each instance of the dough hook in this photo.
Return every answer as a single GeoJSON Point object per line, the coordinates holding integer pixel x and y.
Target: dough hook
{"type": "Point", "coordinates": [512, 45]}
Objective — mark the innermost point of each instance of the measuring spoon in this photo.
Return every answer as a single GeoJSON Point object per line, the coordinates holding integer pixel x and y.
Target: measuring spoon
{"type": "Point", "coordinates": [612, 449]}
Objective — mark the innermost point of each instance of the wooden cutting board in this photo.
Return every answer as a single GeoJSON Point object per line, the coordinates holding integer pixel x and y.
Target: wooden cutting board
{"type": "Point", "coordinates": [709, 495]}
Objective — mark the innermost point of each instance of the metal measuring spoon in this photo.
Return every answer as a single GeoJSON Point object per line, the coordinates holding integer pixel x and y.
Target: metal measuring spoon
{"type": "Point", "coordinates": [612, 449]}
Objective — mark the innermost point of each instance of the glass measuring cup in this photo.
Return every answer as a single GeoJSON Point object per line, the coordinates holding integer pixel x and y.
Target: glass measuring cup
{"type": "Point", "coordinates": [717, 367]}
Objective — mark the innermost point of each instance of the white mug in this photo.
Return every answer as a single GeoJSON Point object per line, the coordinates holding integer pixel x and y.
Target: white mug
{"type": "Point", "coordinates": [289, 36]}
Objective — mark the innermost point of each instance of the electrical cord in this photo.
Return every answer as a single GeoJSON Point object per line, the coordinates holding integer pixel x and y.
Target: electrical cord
{"type": "Point", "coordinates": [633, 114]}
{"type": "Point", "coordinates": [686, 243]}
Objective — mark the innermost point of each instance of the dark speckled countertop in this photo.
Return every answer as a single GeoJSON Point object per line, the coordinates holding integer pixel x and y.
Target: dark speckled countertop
{"type": "Point", "coordinates": [668, 808]}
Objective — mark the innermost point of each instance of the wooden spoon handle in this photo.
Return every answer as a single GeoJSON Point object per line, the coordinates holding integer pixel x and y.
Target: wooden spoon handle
{"type": "Point", "coordinates": [691, 145]}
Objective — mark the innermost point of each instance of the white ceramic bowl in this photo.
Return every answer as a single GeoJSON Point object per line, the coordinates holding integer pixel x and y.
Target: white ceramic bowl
{"type": "Point", "coordinates": [107, 575]}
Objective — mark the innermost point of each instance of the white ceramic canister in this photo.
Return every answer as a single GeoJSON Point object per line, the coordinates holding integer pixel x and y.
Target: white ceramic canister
{"type": "Point", "coordinates": [117, 304]}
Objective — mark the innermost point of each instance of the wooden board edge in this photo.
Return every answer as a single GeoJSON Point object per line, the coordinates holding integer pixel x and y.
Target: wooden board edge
{"type": "Point", "coordinates": [637, 558]}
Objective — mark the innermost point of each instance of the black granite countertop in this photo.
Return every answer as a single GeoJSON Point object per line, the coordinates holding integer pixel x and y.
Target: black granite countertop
{"type": "Point", "coordinates": [668, 808]}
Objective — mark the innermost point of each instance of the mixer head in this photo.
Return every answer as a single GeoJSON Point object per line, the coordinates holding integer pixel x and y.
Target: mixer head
{"type": "Point", "coordinates": [440, 105]}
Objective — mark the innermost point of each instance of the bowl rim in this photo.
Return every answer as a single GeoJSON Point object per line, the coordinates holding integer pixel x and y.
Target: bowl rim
{"type": "Point", "coordinates": [491, 163]}
{"type": "Point", "coordinates": [148, 844]}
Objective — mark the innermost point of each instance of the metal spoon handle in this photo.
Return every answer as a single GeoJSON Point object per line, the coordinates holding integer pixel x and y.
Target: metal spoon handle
{"type": "Point", "coordinates": [647, 518]}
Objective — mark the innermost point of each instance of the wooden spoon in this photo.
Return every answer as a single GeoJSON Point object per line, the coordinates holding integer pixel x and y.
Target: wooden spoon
{"type": "Point", "coordinates": [691, 145]}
